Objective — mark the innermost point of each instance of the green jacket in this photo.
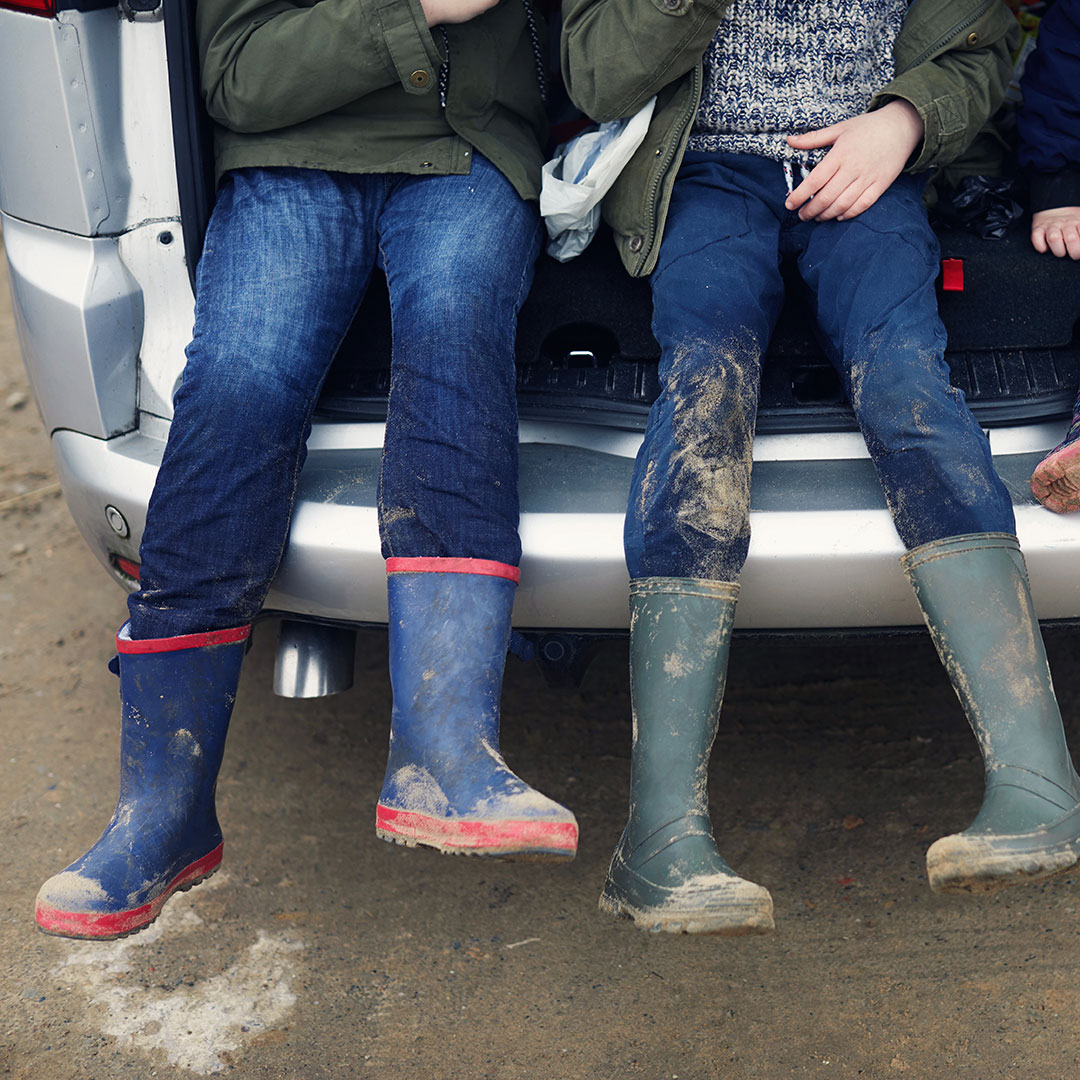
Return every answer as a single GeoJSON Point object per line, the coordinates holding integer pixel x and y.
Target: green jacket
{"type": "Point", "coordinates": [352, 86]}
{"type": "Point", "coordinates": [952, 63]}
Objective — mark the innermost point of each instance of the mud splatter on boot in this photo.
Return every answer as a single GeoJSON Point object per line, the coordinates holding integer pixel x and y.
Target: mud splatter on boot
{"type": "Point", "coordinates": [177, 696]}
{"type": "Point", "coordinates": [1056, 479]}
{"type": "Point", "coordinates": [974, 594]}
{"type": "Point", "coordinates": [447, 786]}
{"type": "Point", "coordinates": [667, 873]}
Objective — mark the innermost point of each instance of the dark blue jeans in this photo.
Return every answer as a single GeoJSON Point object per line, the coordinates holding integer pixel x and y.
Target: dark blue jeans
{"type": "Point", "coordinates": [287, 259]}
{"type": "Point", "coordinates": [717, 293]}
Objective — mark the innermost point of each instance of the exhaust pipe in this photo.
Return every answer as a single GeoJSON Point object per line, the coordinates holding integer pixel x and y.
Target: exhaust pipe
{"type": "Point", "coordinates": [313, 660]}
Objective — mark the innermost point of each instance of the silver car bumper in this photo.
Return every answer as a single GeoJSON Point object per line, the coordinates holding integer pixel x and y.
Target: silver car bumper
{"type": "Point", "coordinates": [823, 553]}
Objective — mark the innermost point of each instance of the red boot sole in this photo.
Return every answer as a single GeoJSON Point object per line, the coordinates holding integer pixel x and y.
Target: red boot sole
{"type": "Point", "coordinates": [1056, 480]}
{"type": "Point", "coordinates": [553, 841]}
{"type": "Point", "coordinates": [97, 926]}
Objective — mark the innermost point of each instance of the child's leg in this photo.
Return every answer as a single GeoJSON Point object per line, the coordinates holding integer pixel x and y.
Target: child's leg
{"type": "Point", "coordinates": [285, 265]}
{"type": "Point", "coordinates": [716, 294]}
{"type": "Point", "coordinates": [459, 253]}
{"type": "Point", "coordinates": [876, 306]}
{"type": "Point", "coordinates": [874, 281]}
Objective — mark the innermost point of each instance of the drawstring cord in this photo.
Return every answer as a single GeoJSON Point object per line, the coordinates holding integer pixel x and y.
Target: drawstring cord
{"type": "Point", "coordinates": [537, 50]}
{"type": "Point", "coordinates": [789, 174]}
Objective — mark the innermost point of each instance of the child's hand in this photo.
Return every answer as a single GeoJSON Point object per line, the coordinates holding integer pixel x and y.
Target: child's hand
{"type": "Point", "coordinates": [868, 153]}
{"type": "Point", "coordinates": [1058, 230]}
{"type": "Point", "coordinates": [454, 11]}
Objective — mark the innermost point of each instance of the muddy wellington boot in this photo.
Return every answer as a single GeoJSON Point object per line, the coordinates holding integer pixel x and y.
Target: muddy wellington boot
{"type": "Point", "coordinates": [973, 591]}
{"type": "Point", "coordinates": [177, 695]}
{"type": "Point", "coordinates": [666, 873]}
{"type": "Point", "coordinates": [447, 786]}
{"type": "Point", "coordinates": [1056, 479]}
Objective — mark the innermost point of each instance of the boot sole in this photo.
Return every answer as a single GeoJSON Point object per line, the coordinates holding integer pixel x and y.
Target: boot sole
{"type": "Point", "coordinates": [95, 926]}
{"type": "Point", "coordinates": [956, 864]}
{"type": "Point", "coordinates": [517, 841]}
{"type": "Point", "coordinates": [1056, 480]}
{"type": "Point", "coordinates": [737, 918]}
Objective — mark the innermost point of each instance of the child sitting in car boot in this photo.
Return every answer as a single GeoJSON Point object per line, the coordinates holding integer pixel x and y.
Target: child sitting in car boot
{"type": "Point", "coordinates": [1049, 128]}
{"type": "Point", "coordinates": [348, 133]}
{"type": "Point", "coordinates": [805, 128]}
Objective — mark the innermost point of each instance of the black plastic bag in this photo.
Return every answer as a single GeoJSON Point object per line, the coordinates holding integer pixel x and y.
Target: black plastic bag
{"type": "Point", "coordinates": [983, 205]}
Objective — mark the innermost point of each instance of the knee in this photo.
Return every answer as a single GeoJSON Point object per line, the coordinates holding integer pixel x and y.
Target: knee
{"type": "Point", "coordinates": [710, 384]}
{"type": "Point", "coordinates": [904, 402]}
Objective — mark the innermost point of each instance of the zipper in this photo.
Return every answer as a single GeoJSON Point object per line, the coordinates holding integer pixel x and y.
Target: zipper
{"type": "Point", "coordinates": [665, 164]}
{"type": "Point", "coordinates": [974, 17]}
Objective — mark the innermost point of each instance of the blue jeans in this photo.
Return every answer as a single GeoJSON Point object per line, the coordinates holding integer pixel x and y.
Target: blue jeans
{"type": "Point", "coordinates": [287, 260]}
{"type": "Point", "coordinates": [717, 293]}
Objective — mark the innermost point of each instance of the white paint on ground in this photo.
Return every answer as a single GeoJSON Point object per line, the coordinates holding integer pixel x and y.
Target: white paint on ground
{"type": "Point", "coordinates": [191, 1025]}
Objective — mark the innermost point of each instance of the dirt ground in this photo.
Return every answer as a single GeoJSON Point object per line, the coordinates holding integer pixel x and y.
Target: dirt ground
{"type": "Point", "coordinates": [320, 952]}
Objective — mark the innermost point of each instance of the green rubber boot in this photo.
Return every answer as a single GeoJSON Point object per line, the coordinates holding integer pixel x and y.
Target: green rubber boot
{"type": "Point", "coordinates": [973, 591]}
{"type": "Point", "coordinates": [666, 873]}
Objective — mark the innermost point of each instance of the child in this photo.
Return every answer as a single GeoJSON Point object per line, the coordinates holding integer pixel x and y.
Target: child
{"type": "Point", "coordinates": [347, 134]}
{"type": "Point", "coordinates": [805, 127]}
{"type": "Point", "coordinates": [1049, 129]}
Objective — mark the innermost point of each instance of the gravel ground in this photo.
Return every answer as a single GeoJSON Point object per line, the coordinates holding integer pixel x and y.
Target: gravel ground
{"type": "Point", "coordinates": [320, 952]}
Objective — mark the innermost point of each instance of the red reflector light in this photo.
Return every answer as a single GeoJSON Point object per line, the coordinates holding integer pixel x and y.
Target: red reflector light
{"type": "Point", "coordinates": [32, 7]}
{"type": "Point", "coordinates": [952, 275]}
{"type": "Point", "coordinates": [126, 566]}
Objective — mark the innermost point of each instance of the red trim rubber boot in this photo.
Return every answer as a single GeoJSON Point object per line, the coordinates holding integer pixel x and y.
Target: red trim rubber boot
{"type": "Point", "coordinates": [447, 786]}
{"type": "Point", "coordinates": [177, 696]}
{"type": "Point", "coordinates": [1056, 479]}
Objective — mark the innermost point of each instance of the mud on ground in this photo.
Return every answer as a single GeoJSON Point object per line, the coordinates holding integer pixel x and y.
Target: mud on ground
{"type": "Point", "coordinates": [320, 952]}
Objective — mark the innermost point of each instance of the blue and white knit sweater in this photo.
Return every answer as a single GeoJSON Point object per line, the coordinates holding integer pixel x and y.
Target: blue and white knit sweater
{"type": "Point", "coordinates": [779, 67]}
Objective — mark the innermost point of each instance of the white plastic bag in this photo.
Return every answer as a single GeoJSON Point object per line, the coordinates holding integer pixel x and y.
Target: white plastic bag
{"type": "Point", "coordinates": [581, 174]}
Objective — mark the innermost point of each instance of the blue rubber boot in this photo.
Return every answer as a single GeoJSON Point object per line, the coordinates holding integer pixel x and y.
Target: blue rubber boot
{"type": "Point", "coordinates": [447, 786]}
{"type": "Point", "coordinates": [177, 695]}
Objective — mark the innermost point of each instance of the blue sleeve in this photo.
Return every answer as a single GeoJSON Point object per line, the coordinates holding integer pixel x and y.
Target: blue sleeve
{"type": "Point", "coordinates": [1049, 121]}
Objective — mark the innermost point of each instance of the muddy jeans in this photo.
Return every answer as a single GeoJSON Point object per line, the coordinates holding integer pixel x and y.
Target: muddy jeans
{"type": "Point", "coordinates": [717, 293]}
{"type": "Point", "coordinates": [287, 259]}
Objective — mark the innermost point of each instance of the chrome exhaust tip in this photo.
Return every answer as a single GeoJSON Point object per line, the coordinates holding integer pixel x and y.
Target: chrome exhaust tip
{"type": "Point", "coordinates": [313, 660]}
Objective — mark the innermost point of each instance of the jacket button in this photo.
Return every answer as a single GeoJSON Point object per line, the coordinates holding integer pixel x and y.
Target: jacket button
{"type": "Point", "coordinates": [673, 5]}
{"type": "Point", "coordinates": [973, 39]}
{"type": "Point", "coordinates": [636, 243]}
{"type": "Point", "coordinates": [419, 78]}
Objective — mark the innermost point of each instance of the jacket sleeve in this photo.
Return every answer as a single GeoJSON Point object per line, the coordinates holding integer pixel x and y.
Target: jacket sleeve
{"type": "Point", "coordinates": [1049, 122]}
{"type": "Point", "coordinates": [269, 64]}
{"type": "Point", "coordinates": [957, 90]}
{"type": "Point", "coordinates": [617, 53]}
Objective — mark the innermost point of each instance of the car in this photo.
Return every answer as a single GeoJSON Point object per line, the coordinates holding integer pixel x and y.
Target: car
{"type": "Point", "coordinates": [106, 186]}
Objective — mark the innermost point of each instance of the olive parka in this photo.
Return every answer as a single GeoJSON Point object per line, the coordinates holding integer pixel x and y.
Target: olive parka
{"type": "Point", "coordinates": [353, 86]}
{"type": "Point", "coordinates": [952, 61]}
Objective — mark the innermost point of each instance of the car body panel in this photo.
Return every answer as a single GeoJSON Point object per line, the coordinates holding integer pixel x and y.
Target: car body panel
{"type": "Point", "coordinates": [823, 554]}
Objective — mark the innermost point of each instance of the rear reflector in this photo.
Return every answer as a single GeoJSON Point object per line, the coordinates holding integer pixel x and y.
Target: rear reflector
{"type": "Point", "coordinates": [126, 566]}
{"type": "Point", "coordinates": [31, 7]}
{"type": "Point", "coordinates": [952, 275]}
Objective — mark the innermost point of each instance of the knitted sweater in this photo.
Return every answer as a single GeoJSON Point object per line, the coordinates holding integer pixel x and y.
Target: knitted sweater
{"type": "Point", "coordinates": [779, 67]}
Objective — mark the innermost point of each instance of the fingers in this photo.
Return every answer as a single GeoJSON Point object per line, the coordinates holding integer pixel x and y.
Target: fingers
{"type": "Point", "coordinates": [814, 181]}
{"type": "Point", "coordinates": [843, 207]}
{"type": "Point", "coordinates": [1057, 231]}
{"type": "Point", "coordinates": [1072, 241]}
{"type": "Point", "coordinates": [813, 140]}
{"type": "Point", "coordinates": [825, 205]}
{"type": "Point", "coordinates": [863, 203]}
